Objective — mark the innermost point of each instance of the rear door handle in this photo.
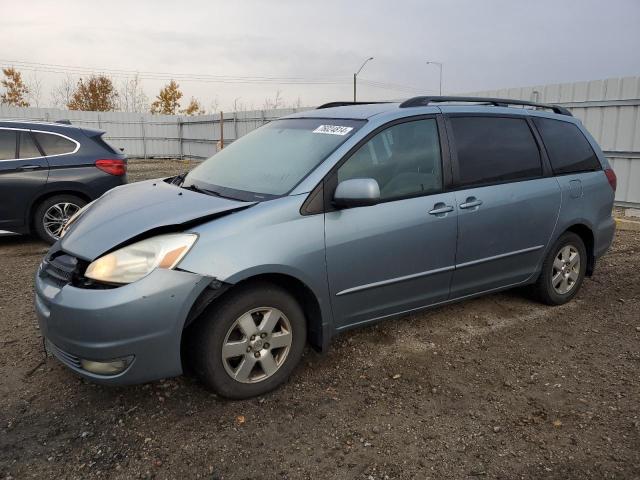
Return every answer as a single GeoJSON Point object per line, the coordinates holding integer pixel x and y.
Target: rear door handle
{"type": "Point", "coordinates": [28, 167]}
{"type": "Point", "coordinates": [471, 202]}
{"type": "Point", "coordinates": [440, 209]}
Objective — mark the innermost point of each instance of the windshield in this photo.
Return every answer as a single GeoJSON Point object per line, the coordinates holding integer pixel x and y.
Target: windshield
{"type": "Point", "coordinates": [271, 160]}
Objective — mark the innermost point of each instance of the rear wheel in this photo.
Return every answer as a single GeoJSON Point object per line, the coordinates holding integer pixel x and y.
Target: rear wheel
{"type": "Point", "coordinates": [563, 270]}
{"type": "Point", "coordinates": [53, 213]}
{"type": "Point", "coordinates": [250, 342]}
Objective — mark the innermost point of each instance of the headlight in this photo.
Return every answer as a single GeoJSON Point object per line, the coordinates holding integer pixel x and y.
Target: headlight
{"type": "Point", "coordinates": [73, 218]}
{"type": "Point", "coordinates": [137, 260]}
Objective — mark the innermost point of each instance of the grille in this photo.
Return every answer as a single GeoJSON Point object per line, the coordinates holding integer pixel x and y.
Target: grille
{"type": "Point", "coordinates": [60, 268]}
{"type": "Point", "coordinates": [66, 358]}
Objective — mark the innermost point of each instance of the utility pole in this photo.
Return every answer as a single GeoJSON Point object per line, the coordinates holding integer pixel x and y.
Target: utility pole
{"type": "Point", "coordinates": [441, 66]}
{"type": "Point", "coordinates": [355, 76]}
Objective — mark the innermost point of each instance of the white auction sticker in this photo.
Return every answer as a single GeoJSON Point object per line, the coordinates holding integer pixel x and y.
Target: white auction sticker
{"type": "Point", "coordinates": [333, 129]}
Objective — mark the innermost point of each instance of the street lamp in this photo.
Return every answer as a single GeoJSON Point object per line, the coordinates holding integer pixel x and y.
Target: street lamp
{"type": "Point", "coordinates": [356, 74]}
{"type": "Point", "coordinates": [440, 65]}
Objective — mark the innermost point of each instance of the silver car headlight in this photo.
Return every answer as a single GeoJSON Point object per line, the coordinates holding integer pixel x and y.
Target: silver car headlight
{"type": "Point", "coordinates": [139, 259]}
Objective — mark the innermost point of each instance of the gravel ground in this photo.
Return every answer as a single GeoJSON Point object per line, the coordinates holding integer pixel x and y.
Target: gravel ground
{"type": "Point", "coordinates": [497, 387]}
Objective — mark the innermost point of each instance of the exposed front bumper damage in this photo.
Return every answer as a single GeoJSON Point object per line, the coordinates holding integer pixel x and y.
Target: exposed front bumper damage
{"type": "Point", "coordinates": [142, 322]}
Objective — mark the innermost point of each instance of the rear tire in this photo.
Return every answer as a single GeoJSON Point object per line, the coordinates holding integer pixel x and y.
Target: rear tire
{"type": "Point", "coordinates": [249, 342]}
{"type": "Point", "coordinates": [51, 215]}
{"type": "Point", "coordinates": [563, 270]}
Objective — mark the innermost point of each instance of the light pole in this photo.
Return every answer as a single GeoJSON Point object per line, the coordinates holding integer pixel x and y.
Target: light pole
{"type": "Point", "coordinates": [356, 74]}
{"type": "Point", "coordinates": [440, 65]}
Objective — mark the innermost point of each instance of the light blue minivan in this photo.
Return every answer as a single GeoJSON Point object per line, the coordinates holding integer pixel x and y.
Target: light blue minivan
{"type": "Point", "coordinates": [319, 222]}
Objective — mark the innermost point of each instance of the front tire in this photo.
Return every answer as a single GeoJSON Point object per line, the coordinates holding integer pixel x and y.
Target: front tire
{"type": "Point", "coordinates": [249, 342]}
{"type": "Point", "coordinates": [53, 213]}
{"type": "Point", "coordinates": [563, 270]}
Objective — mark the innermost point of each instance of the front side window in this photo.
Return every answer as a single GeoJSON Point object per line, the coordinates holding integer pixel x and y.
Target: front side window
{"type": "Point", "coordinates": [494, 150]}
{"type": "Point", "coordinates": [54, 144]}
{"type": "Point", "coordinates": [273, 159]}
{"type": "Point", "coordinates": [404, 159]}
{"type": "Point", "coordinates": [7, 144]}
{"type": "Point", "coordinates": [27, 148]}
{"type": "Point", "coordinates": [568, 149]}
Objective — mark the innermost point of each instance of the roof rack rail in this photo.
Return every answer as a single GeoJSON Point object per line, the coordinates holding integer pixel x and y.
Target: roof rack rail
{"type": "Point", "coordinates": [497, 102]}
{"type": "Point", "coordinates": [344, 104]}
{"type": "Point", "coordinates": [63, 121]}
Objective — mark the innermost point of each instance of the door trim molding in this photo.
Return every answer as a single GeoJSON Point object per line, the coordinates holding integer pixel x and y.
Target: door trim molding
{"type": "Point", "coordinates": [391, 281]}
{"type": "Point", "coordinates": [497, 257]}
{"type": "Point", "coordinates": [395, 280]}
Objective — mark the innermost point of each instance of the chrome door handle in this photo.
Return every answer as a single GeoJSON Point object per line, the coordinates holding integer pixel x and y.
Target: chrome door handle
{"type": "Point", "coordinates": [440, 208]}
{"type": "Point", "coordinates": [471, 202]}
{"type": "Point", "coordinates": [28, 167]}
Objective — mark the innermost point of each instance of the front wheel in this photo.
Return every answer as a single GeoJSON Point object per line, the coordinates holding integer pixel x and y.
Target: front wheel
{"type": "Point", "coordinates": [563, 270]}
{"type": "Point", "coordinates": [250, 342]}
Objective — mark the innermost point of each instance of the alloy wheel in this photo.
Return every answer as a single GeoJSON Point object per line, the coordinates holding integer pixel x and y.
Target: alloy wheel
{"type": "Point", "coordinates": [257, 345]}
{"type": "Point", "coordinates": [57, 216]}
{"type": "Point", "coordinates": [566, 269]}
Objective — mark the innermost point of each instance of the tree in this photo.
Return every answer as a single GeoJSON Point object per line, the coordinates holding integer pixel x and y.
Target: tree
{"type": "Point", "coordinates": [62, 93]}
{"type": "Point", "coordinates": [168, 100]}
{"type": "Point", "coordinates": [194, 108]}
{"type": "Point", "coordinates": [16, 91]}
{"type": "Point", "coordinates": [97, 94]}
{"type": "Point", "coordinates": [132, 96]}
{"type": "Point", "coordinates": [35, 90]}
{"type": "Point", "coordinates": [274, 103]}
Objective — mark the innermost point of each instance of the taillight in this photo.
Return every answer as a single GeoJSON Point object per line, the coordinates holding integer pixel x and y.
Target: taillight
{"type": "Point", "coordinates": [112, 166]}
{"type": "Point", "coordinates": [611, 176]}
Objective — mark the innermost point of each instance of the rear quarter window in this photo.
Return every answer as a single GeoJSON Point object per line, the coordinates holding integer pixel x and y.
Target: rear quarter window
{"type": "Point", "coordinates": [494, 150]}
{"type": "Point", "coordinates": [54, 144]}
{"type": "Point", "coordinates": [568, 149]}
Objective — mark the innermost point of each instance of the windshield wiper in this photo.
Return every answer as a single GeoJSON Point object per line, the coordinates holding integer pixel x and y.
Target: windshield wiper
{"type": "Point", "coordinates": [195, 188]}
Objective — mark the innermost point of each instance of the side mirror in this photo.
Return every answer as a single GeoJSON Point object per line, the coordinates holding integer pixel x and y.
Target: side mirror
{"type": "Point", "coordinates": [357, 192]}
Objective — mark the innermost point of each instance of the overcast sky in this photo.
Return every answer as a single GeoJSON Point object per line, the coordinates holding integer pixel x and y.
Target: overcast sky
{"type": "Point", "coordinates": [483, 44]}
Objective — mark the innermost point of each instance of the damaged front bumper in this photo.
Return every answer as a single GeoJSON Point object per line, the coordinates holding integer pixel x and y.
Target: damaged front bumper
{"type": "Point", "coordinates": [140, 323]}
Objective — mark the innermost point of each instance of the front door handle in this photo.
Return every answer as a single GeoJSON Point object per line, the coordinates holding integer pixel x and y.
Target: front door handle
{"type": "Point", "coordinates": [440, 209]}
{"type": "Point", "coordinates": [28, 167]}
{"type": "Point", "coordinates": [471, 202]}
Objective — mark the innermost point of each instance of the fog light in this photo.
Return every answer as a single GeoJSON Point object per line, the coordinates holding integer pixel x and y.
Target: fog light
{"type": "Point", "coordinates": [112, 367]}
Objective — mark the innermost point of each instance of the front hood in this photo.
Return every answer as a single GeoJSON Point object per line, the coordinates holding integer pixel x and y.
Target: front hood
{"type": "Point", "coordinates": [131, 210]}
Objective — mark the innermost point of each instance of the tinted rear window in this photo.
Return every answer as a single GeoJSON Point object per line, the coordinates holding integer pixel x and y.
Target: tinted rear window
{"type": "Point", "coordinates": [494, 150]}
{"type": "Point", "coordinates": [568, 149]}
{"type": "Point", "coordinates": [7, 144]}
{"type": "Point", "coordinates": [54, 144]}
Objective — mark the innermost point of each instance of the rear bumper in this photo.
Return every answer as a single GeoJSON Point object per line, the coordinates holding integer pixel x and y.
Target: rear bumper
{"type": "Point", "coordinates": [142, 321]}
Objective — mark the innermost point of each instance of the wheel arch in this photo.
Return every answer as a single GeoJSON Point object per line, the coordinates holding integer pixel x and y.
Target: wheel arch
{"type": "Point", "coordinates": [44, 196]}
{"type": "Point", "coordinates": [586, 234]}
{"type": "Point", "coordinates": [318, 335]}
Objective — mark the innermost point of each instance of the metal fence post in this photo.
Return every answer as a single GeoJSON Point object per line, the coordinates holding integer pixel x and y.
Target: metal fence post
{"type": "Point", "coordinates": [221, 130]}
{"type": "Point", "coordinates": [235, 126]}
{"type": "Point", "coordinates": [180, 130]}
{"type": "Point", "coordinates": [144, 138]}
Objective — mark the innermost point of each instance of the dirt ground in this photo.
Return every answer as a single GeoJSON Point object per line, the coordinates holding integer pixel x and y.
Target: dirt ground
{"type": "Point", "coordinates": [498, 387]}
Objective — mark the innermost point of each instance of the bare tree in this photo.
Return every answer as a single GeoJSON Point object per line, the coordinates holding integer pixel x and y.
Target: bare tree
{"type": "Point", "coordinates": [238, 105]}
{"type": "Point", "coordinates": [214, 105]}
{"type": "Point", "coordinates": [273, 103]}
{"type": "Point", "coordinates": [61, 94]}
{"type": "Point", "coordinates": [132, 96]}
{"type": "Point", "coordinates": [297, 103]}
{"type": "Point", "coordinates": [34, 85]}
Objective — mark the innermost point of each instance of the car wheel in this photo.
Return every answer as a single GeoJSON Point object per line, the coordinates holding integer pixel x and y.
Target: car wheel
{"type": "Point", "coordinates": [563, 270]}
{"type": "Point", "coordinates": [52, 214]}
{"type": "Point", "coordinates": [248, 343]}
